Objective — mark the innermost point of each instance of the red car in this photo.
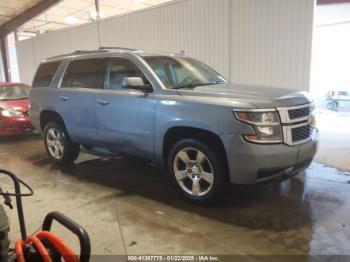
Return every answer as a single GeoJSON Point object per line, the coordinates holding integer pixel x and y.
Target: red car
{"type": "Point", "coordinates": [14, 107]}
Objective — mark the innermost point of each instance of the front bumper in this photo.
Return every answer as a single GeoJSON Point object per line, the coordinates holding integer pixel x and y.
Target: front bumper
{"type": "Point", "coordinates": [250, 163]}
{"type": "Point", "coordinates": [15, 126]}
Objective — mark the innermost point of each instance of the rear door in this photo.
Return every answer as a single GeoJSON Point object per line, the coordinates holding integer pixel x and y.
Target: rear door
{"type": "Point", "coordinates": [125, 117]}
{"type": "Point", "coordinates": [41, 96]}
{"type": "Point", "coordinates": [76, 98]}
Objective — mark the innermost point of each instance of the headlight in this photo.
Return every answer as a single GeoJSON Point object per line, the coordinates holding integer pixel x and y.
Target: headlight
{"type": "Point", "coordinates": [11, 113]}
{"type": "Point", "coordinates": [258, 117]}
{"type": "Point", "coordinates": [266, 125]}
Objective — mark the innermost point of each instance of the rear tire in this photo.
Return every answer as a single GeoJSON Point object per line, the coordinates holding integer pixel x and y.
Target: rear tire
{"type": "Point", "coordinates": [59, 147]}
{"type": "Point", "coordinates": [332, 105]}
{"type": "Point", "coordinates": [196, 170]}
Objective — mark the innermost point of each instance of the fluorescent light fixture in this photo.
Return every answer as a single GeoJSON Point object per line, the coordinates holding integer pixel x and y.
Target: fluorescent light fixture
{"type": "Point", "coordinates": [71, 20]}
{"type": "Point", "coordinates": [93, 14]}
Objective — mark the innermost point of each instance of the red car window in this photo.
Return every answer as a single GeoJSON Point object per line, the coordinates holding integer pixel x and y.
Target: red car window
{"type": "Point", "coordinates": [13, 92]}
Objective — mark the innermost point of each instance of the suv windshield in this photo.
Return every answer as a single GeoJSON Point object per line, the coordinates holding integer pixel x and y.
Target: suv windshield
{"type": "Point", "coordinates": [13, 92]}
{"type": "Point", "coordinates": [181, 72]}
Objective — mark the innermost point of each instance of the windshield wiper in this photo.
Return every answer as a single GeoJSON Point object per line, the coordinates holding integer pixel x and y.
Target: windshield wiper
{"type": "Point", "coordinates": [193, 85]}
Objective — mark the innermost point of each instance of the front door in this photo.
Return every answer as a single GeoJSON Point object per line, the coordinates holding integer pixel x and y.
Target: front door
{"type": "Point", "coordinates": [125, 117]}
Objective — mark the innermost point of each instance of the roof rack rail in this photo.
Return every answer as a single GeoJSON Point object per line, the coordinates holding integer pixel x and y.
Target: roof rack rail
{"type": "Point", "coordinates": [79, 52]}
{"type": "Point", "coordinates": [115, 47]}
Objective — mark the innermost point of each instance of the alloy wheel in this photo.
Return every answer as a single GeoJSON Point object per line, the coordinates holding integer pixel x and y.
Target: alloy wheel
{"type": "Point", "coordinates": [193, 171]}
{"type": "Point", "coordinates": [54, 143]}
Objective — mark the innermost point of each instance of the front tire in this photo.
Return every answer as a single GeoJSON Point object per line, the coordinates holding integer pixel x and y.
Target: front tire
{"type": "Point", "coordinates": [196, 170]}
{"type": "Point", "coordinates": [59, 147]}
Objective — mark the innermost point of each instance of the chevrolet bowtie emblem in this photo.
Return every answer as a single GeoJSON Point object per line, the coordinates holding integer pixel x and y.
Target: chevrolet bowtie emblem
{"type": "Point", "coordinates": [312, 121]}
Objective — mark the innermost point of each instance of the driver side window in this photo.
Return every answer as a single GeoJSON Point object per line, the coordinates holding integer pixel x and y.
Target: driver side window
{"type": "Point", "coordinates": [118, 69]}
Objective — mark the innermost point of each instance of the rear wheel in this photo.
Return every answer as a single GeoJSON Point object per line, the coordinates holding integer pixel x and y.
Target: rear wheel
{"type": "Point", "coordinates": [196, 170]}
{"type": "Point", "coordinates": [58, 145]}
{"type": "Point", "coordinates": [332, 105]}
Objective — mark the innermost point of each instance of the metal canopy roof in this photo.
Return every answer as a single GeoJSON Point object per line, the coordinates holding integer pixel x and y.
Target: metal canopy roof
{"type": "Point", "coordinates": [68, 13]}
{"type": "Point", "coordinates": [12, 8]}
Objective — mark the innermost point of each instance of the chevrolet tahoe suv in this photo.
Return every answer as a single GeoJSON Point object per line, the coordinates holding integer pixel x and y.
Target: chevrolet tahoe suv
{"type": "Point", "coordinates": [175, 111]}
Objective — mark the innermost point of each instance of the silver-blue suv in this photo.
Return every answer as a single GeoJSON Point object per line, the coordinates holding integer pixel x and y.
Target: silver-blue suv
{"type": "Point", "coordinates": [173, 110]}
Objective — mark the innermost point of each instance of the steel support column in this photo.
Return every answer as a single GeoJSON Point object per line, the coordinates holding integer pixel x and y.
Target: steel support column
{"type": "Point", "coordinates": [97, 7]}
{"type": "Point", "coordinates": [16, 22]}
{"type": "Point", "coordinates": [4, 55]}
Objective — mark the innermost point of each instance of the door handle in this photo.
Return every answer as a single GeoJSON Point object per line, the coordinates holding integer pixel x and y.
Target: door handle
{"type": "Point", "coordinates": [64, 98]}
{"type": "Point", "coordinates": [103, 102]}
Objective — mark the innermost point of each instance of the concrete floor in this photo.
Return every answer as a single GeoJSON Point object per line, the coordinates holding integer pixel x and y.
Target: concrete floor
{"type": "Point", "coordinates": [334, 147]}
{"type": "Point", "coordinates": [129, 207]}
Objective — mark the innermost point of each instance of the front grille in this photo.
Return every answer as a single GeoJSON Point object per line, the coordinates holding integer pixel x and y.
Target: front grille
{"type": "Point", "coordinates": [294, 121]}
{"type": "Point", "coordinates": [299, 113]}
{"type": "Point", "coordinates": [301, 133]}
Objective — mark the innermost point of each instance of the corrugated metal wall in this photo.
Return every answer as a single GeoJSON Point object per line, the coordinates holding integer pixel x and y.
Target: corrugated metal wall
{"type": "Point", "coordinates": [266, 42]}
{"type": "Point", "coordinates": [32, 51]}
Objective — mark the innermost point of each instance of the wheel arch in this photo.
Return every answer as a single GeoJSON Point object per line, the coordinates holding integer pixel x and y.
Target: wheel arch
{"type": "Point", "coordinates": [176, 133]}
{"type": "Point", "coordinates": [47, 116]}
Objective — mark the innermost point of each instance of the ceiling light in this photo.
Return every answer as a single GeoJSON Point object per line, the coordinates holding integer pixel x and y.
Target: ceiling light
{"type": "Point", "coordinates": [71, 20]}
{"type": "Point", "coordinates": [93, 14]}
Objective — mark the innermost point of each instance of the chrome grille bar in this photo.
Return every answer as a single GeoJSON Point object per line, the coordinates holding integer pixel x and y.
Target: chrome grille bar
{"type": "Point", "coordinates": [284, 114]}
{"type": "Point", "coordinates": [289, 124]}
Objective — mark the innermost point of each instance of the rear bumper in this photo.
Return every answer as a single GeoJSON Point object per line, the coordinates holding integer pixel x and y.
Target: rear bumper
{"type": "Point", "coordinates": [15, 126]}
{"type": "Point", "coordinates": [250, 163]}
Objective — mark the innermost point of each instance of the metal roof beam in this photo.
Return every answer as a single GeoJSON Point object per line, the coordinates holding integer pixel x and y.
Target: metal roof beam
{"type": "Point", "coordinates": [328, 2]}
{"type": "Point", "coordinates": [27, 15]}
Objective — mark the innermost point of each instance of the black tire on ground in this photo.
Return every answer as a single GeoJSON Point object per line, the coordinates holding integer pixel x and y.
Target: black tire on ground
{"type": "Point", "coordinates": [213, 162]}
{"type": "Point", "coordinates": [70, 151]}
{"type": "Point", "coordinates": [332, 105]}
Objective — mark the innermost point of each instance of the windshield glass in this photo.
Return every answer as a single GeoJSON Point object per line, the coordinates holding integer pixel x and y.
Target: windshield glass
{"type": "Point", "coordinates": [180, 72]}
{"type": "Point", "coordinates": [13, 92]}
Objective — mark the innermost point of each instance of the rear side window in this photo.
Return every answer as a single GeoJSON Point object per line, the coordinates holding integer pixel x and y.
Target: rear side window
{"type": "Point", "coordinates": [45, 73]}
{"type": "Point", "coordinates": [85, 73]}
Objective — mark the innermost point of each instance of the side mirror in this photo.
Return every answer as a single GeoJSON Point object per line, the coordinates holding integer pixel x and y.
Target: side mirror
{"type": "Point", "coordinates": [135, 83]}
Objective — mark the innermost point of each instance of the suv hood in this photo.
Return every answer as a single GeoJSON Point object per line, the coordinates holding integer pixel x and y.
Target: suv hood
{"type": "Point", "coordinates": [248, 96]}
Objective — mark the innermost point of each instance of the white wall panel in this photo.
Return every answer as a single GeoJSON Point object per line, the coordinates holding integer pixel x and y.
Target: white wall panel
{"type": "Point", "coordinates": [266, 42]}
{"type": "Point", "coordinates": [271, 42]}
{"type": "Point", "coordinates": [198, 27]}
{"type": "Point", "coordinates": [65, 41]}
{"type": "Point", "coordinates": [32, 51]}
{"type": "Point", "coordinates": [26, 60]}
